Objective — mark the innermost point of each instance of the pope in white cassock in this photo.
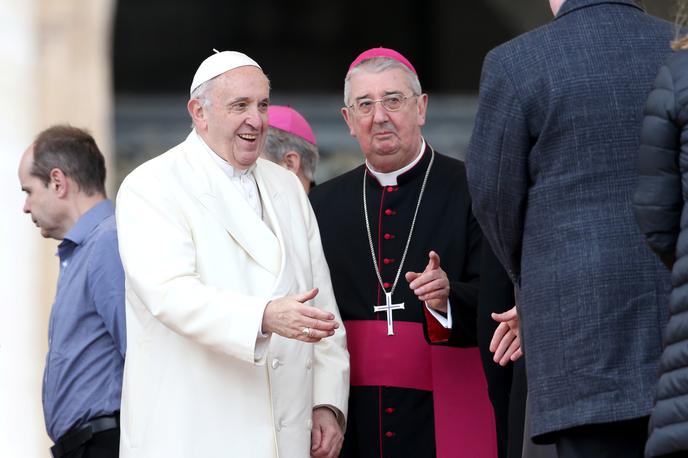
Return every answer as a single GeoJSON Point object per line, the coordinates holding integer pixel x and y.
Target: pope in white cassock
{"type": "Point", "coordinates": [236, 347]}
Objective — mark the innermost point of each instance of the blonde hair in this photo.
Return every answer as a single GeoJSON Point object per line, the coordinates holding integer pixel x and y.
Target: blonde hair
{"type": "Point", "coordinates": [681, 39]}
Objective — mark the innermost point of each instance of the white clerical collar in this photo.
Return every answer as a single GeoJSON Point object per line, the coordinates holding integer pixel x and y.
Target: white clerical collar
{"type": "Point", "coordinates": [390, 178]}
{"type": "Point", "coordinates": [243, 180]}
{"type": "Point", "coordinates": [226, 167]}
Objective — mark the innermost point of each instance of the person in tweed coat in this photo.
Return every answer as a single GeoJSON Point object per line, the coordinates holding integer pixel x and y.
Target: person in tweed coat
{"type": "Point", "coordinates": [551, 169]}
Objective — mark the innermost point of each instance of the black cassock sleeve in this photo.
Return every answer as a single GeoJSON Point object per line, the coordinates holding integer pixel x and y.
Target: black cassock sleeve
{"type": "Point", "coordinates": [464, 291]}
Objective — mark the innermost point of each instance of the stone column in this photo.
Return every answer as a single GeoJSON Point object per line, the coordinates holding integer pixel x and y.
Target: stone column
{"type": "Point", "coordinates": [75, 46]}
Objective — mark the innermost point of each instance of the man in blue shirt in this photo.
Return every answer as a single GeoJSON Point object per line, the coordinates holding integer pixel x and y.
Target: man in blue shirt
{"type": "Point", "coordinates": [63, 176]}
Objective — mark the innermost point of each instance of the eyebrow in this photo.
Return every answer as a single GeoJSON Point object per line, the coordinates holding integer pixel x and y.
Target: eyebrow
{"type": "Point", "coordinates": [246, 100]}
{"type": "Point", "coordinates": [366, 96]}
{"type": "Point", "coordinates": [237, 100]}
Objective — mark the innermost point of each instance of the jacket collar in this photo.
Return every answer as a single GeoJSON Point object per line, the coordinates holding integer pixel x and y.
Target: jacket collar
{"type": "Point", "coordinates": [221, 198]}
{"type": "Point", "coordinates": [573, 5]}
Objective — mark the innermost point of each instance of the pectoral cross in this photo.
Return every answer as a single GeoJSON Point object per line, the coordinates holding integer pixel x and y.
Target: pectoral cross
{"type": "Point", "coordinates": [389, 308]}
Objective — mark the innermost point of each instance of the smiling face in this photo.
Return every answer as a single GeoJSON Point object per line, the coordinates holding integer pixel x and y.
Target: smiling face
{"type": "Point", "coordinates": [234, 122]}
{"type": "Point", "coordinates": [42, 201]}
{"type": "Point", "coordinates": [389, 139]}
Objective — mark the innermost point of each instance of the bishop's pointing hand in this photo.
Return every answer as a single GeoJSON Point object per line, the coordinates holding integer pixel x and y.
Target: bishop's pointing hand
{"type": "Point", "coordinates": [290, 317]}
{"type": "Point", "coordinates": [432, 285]}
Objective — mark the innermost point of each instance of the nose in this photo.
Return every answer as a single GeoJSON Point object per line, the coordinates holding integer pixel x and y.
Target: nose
{"type": "Point", "coordinates": [255, 118]}
{"type": "Point", "coordinates": [380, 115]}
{"type": "Point", "coordinates": [26, 208]}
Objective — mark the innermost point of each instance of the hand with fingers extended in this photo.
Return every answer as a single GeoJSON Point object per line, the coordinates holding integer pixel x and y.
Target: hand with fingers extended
{"type": "Point", "coordinates": [290, 317]}
{"type": "Point", "coordinates": [326, 436]}
{"type": "Point", "coordinates": [506, 340]}
{"type": "Point", "coordinates": [432, 285]}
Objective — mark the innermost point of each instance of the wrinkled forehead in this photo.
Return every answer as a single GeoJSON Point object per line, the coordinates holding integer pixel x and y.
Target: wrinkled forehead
{"type": "Point", "coordinates": [365, 83]}
{"type": "Point", "coordinates": [244, 81]}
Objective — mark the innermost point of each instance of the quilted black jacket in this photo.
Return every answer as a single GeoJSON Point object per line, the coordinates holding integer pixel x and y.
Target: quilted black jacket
{"type": "Point", "coordinates": [661, 211]}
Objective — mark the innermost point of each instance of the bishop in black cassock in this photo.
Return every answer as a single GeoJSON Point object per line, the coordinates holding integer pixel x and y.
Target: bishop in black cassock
{"type": "Point", "coordinates": [408, 398]}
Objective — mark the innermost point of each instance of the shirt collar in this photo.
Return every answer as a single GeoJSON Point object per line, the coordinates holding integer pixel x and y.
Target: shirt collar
{"type": "Point", "coordinates": [88, 221]}
{"type": "Point", "coordinates": [225, 166]}
{"type": "Point", "coordinates": [390, 178]}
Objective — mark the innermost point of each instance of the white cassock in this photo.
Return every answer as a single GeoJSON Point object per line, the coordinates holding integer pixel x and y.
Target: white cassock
{"type": "Point", "coordinates": [200, 267]}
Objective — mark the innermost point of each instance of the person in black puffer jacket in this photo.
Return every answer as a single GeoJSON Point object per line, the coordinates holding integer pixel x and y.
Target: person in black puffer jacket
{"type": "Point", "coordinates": [661, 210]}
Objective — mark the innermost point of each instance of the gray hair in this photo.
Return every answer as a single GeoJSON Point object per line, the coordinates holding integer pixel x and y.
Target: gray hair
{"type": "Point", "coordinates": [379, 65]}
{"type": "Point", "coordinates": [202, 91]}
{"type": "Point", "coordinates": [280, 142]}
{"type": "Point", "coordinates": [201, 94]}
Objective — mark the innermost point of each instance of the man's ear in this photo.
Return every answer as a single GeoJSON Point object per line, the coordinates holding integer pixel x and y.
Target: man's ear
{"type": "Point", "coordinates": [422, 108]}
{"type": "Point", "coordinates": [348, 117]}
{"type": "Point", "coordinates": [197, 113]}
{"type": "Point", "coordinates": [292, 161]}
{"type": "Point", "coordinates": [59, 183]}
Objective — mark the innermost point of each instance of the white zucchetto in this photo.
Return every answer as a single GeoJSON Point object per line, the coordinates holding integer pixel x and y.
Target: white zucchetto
{"type": "Point", "coordinates": [219, 63]}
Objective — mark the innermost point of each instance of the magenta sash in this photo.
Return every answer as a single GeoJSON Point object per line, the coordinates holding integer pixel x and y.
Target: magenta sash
{"type": "Point", "coordinates": [464, 421]}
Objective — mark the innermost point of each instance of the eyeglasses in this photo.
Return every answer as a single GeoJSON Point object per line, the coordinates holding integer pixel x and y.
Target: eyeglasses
{"type": "Point", "coordinates": [390, 102]}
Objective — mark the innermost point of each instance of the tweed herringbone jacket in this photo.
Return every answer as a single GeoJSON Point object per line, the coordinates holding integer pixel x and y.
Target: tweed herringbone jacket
{"type": "Point", "coordinates": [552, 169]}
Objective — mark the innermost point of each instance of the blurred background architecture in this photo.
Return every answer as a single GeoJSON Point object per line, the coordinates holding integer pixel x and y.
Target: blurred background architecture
{"type": "Point", "coordinates": [122, 69]}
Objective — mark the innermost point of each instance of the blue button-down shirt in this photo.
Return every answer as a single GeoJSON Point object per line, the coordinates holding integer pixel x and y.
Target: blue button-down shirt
{"type": "Point", "coordinates": [86, 337]}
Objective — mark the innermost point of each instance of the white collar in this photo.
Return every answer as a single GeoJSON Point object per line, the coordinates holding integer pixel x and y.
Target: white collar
{"type": "Point", "coordinates": [226, 167]}
{"type": "Point", "coordinates": [390, 178]}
